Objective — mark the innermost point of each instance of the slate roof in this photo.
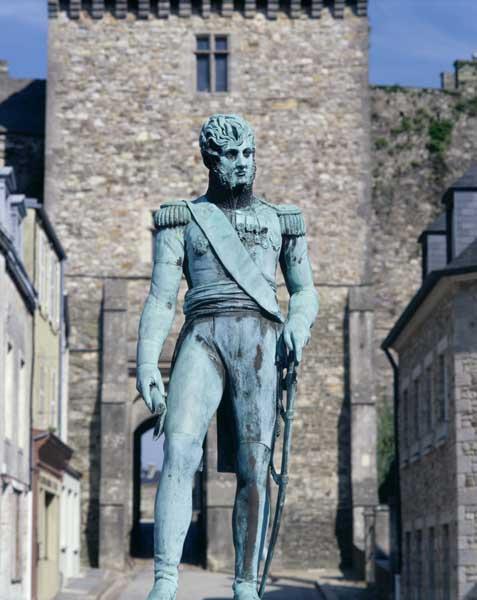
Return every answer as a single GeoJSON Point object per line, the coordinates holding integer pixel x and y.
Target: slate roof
{"type": "Point", "coordinates": [468, 181]}
{"type": "Point", "coordinates": [439, 225]}
{"type": "Point", "coordinates": [467, 258]}
{"type": "Point", "coordinates": [456, 267]}
{"type": "Point", "coordinates": [465, 262]}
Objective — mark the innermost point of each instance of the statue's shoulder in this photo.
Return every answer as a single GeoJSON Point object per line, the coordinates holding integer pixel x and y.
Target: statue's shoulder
{"type": "Point", "coordinates": [290, 217]}
{"type": "Point", "coordinates": [172, 214]}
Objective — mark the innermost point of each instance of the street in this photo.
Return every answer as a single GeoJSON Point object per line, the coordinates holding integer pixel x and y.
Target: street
{"type": "Point", "coordinates": [197, 584]}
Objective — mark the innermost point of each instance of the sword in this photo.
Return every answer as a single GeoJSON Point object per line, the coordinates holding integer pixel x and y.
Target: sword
{"type": "Point", "coordinates": [281, 479]}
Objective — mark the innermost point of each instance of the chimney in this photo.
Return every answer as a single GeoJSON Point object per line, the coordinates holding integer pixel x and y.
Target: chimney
{"type": "Point", "coordinates": [461, 202]}
{"type": "Point", "coordinates": [3, 69]}
{"type": "Point", "coordinates": [433, 242]}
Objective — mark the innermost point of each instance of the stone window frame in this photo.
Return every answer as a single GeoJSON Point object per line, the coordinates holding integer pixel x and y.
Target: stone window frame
{"type": "Point", "coordinates": [16, 575]}
{"type": "Point", "coordinates": [415, 400]}
{"type": "Point", "coordinates": [405, 412]}
{"type": "Point", "coordinates": [442, 426]}
{"type": "Point", "coordinates": [212, 52]}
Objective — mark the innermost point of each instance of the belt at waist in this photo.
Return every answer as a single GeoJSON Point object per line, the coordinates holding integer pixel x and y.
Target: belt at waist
{"type": "Point", "coordinates": [218, 297]}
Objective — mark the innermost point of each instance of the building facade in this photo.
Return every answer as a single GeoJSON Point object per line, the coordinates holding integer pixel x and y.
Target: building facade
{"type": "Point", "coordinates": [17, 305]}
{"type": "Point", "coordinates": [436, 343]}
{"type": "Point", "coordinates": [130, 85]}
{"type": "Point", "coordinates": [56, 496]}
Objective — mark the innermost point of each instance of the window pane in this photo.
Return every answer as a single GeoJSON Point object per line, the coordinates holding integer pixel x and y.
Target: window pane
{"type": "Point", "coordinates": [221, 82]}
{"type": "Point", "coordinates": [220, 42]}
{"type": "Point", "coordinates": [203, 73]}
{"type": "Point", "coordinates": [203, 42]}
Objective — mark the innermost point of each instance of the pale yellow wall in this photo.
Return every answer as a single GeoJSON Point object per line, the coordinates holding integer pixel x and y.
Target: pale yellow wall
{"type": "Point", "coordinates": [47, 332]}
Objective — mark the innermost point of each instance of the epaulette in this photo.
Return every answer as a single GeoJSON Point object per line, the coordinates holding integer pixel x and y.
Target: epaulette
{"type": "Point", "coordinates": [291, 218]}
{"type": "Point", "coordinates": [172, 214]}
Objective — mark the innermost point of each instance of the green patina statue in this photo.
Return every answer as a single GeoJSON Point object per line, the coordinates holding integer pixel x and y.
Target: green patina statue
{"type": "Point", "coordinates": [228, 243]}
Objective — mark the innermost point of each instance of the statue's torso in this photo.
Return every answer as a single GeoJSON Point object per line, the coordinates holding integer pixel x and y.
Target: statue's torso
{"type": "Point", "coordinates": [258, 228]}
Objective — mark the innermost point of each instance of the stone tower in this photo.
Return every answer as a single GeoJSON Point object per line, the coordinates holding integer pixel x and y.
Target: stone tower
{"type": "Point", "coordinates": [129, 85]}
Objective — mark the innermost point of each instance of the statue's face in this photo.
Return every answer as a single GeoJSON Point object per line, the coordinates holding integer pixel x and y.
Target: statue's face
{"type": "Point", "coordinates": [235, 165]}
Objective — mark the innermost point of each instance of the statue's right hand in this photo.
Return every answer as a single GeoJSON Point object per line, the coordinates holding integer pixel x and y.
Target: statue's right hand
{"type": "Point", "coordinates": [149, 384]}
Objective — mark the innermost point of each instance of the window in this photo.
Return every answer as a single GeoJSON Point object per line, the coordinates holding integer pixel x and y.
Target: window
{"type": "Point", "coordinates": [212, 56]}
{"type": "Point", "coordinates": [431, 557]}
{"type": "Point", "coordinates": [405, 411]}
{"type": "Point", "coordinates": [416, 404]}
{"type": "Point", "coordinates": [441, 389]}
{"type": "Point", "coordinates": [53, 289]}
{"type": "Point", "coordinates": [428, 400]}
{"type": "Point", "coordinates": [419, 581]}
{"type": "Point", "coordinates": [41, 268]}
{"type": "Point", "coordinates": [446, 572]}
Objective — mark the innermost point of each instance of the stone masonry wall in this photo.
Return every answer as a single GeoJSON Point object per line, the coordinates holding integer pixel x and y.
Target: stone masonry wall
{"type": "Point", "coordinates": [122, 129]}
{"type": "Point", "coordinates": [466, 426]}
{"type": "Point", "coordinates": [429, 457]}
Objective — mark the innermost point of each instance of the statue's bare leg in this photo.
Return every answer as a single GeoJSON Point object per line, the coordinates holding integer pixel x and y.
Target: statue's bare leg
{"type": "Point", "coordinates": [195, 392]}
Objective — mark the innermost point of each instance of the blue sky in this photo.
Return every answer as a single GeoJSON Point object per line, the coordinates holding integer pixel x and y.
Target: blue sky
{"type": "Point", "coordinates": [412, 41]}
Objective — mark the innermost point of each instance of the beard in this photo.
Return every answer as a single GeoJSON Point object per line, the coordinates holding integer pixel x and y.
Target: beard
{"type": "Point", "coordinates": [227, 191]}
{"type": "Point", "coordinates": [229, 182]}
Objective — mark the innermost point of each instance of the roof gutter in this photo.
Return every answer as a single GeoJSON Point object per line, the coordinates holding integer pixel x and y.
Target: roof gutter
{"type": "Point", "coordinates": [429, 284]}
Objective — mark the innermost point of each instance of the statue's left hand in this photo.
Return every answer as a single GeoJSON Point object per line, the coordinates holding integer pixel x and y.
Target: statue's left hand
{"type": "Point", "coordinates": [149, 384]}
{"type": "Point", "coordinates": [296, 335]}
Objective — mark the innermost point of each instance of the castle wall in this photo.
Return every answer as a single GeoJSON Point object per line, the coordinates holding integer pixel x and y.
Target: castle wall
{"type": "Point", "coordinates": [122, 129]}
{"type": "Point", "coordinates": [422, 140]}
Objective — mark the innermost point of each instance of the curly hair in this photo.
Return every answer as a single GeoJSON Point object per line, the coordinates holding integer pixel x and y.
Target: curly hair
{"type": "Point", "coordinates": [220, 130]}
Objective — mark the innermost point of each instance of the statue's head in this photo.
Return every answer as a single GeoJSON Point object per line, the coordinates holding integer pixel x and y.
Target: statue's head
{"type": "Point", "coordinates": [227, 144]}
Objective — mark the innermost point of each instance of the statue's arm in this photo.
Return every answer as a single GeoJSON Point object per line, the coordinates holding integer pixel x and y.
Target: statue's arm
{"type": "Point", "coordinates": [158, 312]}
{"type": "Point", "coordinates": [303, 305]}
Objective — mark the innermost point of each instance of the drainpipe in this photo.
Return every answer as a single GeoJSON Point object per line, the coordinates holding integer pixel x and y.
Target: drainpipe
{"type": "Point", "coordinates": [62, 350]}
{"type": "Point", "coordinates": [395, 369]}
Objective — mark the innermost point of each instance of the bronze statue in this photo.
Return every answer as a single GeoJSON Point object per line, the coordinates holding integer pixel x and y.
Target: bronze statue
{"type": "Point", "coordinates": [232, 348]}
